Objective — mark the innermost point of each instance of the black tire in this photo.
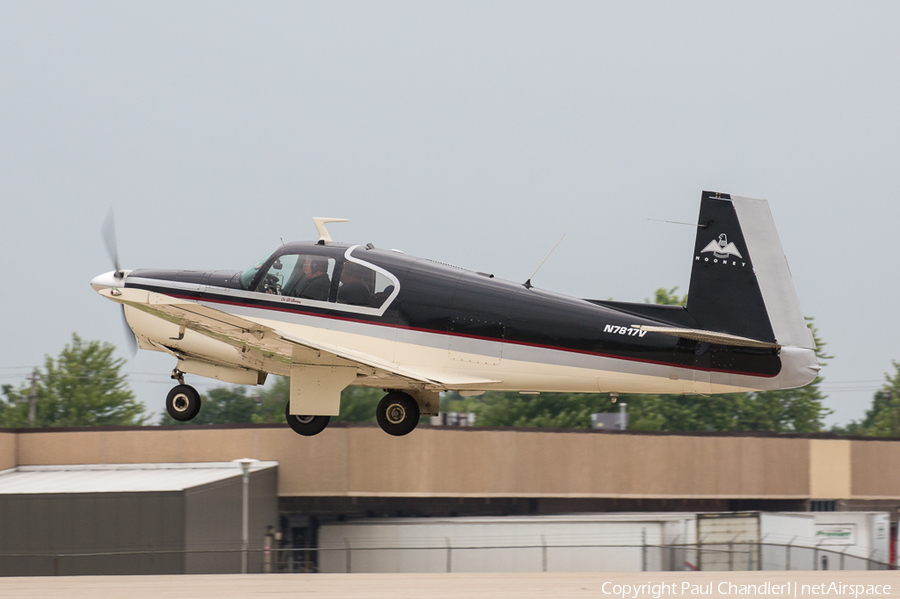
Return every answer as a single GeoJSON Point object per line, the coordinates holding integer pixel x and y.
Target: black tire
{"type": "Point", "coordinates": [183, 403]}
{"type": "Point", "coordinates": [397, 413]}
{"type": "Point", "coordinates": [305, 425]}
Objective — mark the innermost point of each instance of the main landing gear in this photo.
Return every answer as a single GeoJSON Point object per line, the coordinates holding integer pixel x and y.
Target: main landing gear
{"type": "Point", "coordinates": [305, 425]}
{"type": "Point", "coordinates": [183, 401]}
{"type": "Point", "coordinates": [397, 414]}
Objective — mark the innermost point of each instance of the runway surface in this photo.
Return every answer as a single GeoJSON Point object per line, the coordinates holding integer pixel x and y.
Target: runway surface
{"type": "Point", "coordinates": [413, 586]}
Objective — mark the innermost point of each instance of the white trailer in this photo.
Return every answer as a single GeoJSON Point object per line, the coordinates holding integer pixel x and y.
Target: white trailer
{"type": "Point", "coordinates": [621, 542]}
{"type": "Point", "coordinates": [577, 543]}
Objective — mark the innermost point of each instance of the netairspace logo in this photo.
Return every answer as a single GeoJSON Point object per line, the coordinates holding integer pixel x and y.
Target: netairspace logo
{"type": "Point", "coordinates": [787, 589]}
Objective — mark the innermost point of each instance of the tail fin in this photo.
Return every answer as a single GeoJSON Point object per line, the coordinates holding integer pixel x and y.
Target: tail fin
{"type": "Point", "coordinates": [740, 282]}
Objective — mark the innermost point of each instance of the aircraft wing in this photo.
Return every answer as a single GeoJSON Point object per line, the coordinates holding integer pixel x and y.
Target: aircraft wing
{"type": "Point", "coordinates": [241, 333]}
{"type": "Point", "coordinates": [417, 374]}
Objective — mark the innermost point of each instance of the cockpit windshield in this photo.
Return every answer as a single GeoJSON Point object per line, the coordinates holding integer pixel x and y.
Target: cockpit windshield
{"type": "Point", "coordinates": [247, 275]}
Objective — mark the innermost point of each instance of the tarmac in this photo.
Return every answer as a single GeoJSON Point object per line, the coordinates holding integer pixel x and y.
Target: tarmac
{"type": "Point", "coordinates": [847, 584]}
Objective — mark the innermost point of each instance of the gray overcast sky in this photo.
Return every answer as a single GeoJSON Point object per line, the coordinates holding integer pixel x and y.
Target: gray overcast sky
{"type": "Point", "coordinates": [474, 133]}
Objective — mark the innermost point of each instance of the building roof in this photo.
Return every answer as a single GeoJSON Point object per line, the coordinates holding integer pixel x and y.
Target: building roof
{"type": "Point", "coordinates": [118, 478]}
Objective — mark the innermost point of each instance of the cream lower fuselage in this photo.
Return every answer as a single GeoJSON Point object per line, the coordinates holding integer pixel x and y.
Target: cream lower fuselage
{"type": "Point", "coordinates": [496, 365]}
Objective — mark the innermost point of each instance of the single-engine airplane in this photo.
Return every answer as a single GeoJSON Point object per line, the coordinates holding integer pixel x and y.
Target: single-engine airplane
{"type": "Point", "coordinates": [329, 315]}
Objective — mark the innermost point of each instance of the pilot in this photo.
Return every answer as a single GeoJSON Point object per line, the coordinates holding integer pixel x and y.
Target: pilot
{"type": "Point", "coordinates": [355, 289]}
{"type": "Point", "coordinates": [315, 283]}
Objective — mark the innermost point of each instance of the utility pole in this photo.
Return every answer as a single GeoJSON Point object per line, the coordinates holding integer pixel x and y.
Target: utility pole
{"type": "Point", "coordinates": [888, 396]}
{"type": "Point", "coordinates": [32, 399]}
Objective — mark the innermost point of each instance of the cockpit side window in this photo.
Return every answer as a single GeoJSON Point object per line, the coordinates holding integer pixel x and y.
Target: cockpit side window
{"type": "Point", "coordinates": [362, 286]}
{"type": "Point", "coordinates": [299, 275]}
{"type": "Point", "coordinates": [334, 275]}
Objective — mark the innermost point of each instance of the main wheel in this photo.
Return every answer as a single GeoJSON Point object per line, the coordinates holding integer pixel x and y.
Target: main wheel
{"type": "Point", "coordinates": [397, 414]}
{"type": "Point", "coordinates": [305, 425]}
{"type": "Point", "coordinates": [183, 403]}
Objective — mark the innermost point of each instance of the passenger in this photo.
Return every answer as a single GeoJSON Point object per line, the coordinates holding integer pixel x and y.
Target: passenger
{"type": "Point", "coordinates": [355, 289]}
{"type": "Point", "coordinates": [315, 283]}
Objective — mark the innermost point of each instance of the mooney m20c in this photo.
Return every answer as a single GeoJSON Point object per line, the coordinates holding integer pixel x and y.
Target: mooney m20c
{"type": "Point", "coordinates": [329, 315]}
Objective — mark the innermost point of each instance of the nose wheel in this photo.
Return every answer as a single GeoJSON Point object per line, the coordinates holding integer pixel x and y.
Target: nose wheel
{"type": "Point", "coordinates": [397, 413]}
{"type": "Point", "coordinates": [183, 403]}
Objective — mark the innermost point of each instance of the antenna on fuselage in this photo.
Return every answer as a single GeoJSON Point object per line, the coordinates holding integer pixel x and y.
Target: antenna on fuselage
{"type": "Point", "coordinates": [676, 222]}
{"type": "Point", "coordinates": [527, 283]}
{"type": "Point", "coordinates": [324, 237]}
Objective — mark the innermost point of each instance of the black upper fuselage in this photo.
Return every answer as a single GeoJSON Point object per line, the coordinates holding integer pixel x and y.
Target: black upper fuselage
{"type": "Point", "coordinates": [446, 300]}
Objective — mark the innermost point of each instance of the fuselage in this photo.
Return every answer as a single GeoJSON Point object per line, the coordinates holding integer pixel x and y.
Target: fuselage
{"type": "Point", "coordinates": [503, 335]}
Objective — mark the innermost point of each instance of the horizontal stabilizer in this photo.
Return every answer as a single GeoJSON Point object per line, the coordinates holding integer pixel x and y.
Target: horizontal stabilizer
{"type": "Point", "coordinates": [707, 336]}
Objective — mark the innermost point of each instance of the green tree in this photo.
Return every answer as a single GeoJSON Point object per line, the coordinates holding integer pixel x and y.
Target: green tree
{"type": "Point", "coordinates": [883, 417]}
{"type": "Point", "coordinates": [688, 413]}
{"type": "Point", "coordinates": [81, 387]}
{"type": "Point", "coordinates": [668, 297]}
{"type": "Point", "coordinates": [546, 410]}
{"type": "Point", "coordinates": [270, 408]}
{"type": "Point", "coordinates": [358, 404]}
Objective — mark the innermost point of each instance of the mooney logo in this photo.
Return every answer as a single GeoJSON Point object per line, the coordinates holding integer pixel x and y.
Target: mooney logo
{"type": "Point", "coordinates": [724, 251]}
{"type": "Point", "coordinates": [722, 248]}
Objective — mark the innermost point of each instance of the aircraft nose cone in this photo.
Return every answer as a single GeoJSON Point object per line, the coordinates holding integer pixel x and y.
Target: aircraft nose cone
{"type": "Point", "coordinates": [105, 281]}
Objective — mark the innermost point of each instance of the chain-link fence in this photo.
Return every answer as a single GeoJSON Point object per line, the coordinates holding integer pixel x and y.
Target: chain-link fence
{"type": "Point", "coordinates": [586, 558]}
{"type": "Point", "coordinates": [449, 558]}
{"type": "Point", "coordinates": [772, 556]}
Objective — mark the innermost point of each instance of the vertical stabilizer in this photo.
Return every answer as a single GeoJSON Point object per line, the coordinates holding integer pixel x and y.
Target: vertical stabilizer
{"type": "Point", "coordinates": [740, 281]}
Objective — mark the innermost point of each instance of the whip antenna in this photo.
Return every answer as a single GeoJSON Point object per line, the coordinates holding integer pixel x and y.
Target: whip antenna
{"type": "Point", "coordinates": [527, 283]}
{"type": "Point", "coordinates": [675, 222]}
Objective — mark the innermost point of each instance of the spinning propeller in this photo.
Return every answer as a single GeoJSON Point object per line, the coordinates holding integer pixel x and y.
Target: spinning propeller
{"type": "Point", "coordinates": [118, 276]}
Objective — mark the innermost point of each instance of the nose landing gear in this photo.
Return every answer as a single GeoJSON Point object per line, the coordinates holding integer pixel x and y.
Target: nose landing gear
{"type": "Point", "coordinates": [183, 401]}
